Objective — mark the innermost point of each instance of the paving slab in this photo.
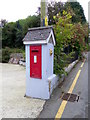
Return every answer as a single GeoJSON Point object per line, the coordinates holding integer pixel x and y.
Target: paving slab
{"type": "Point", "coordinates": [13, 104]}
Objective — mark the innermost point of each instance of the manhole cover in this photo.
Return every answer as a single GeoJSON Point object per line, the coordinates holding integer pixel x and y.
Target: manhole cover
{"type": "Point", "coordinates": [70, 97]}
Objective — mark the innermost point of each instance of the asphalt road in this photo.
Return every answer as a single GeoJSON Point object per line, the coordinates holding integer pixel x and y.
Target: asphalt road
{"type": "Point", "coordinates": [72, 109]}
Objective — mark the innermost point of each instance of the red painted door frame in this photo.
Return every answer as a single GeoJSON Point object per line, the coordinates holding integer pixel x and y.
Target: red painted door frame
{"type": "Point", "coordinates": [36, 61]}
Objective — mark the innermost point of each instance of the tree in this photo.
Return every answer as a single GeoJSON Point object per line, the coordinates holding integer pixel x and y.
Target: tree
{"type": "Point", "coordinates": [19, 35]}
{"type": "Point", "coordinates": [30, 22]}
{"type": "Point", "coordinates": [53, 9]}
{"type": "Point", "coordinates": [74, 7]}
{"type": "Point", "coordinates": [13, 33]}
{"type": "Point", "coordinates": [3, 22]}
{"type": "Point", "coordinates": [80, 34]}
{"type": "Point", "coordinates": [78, 15]}
{"type": "Point", "coordinates": [9, 35]}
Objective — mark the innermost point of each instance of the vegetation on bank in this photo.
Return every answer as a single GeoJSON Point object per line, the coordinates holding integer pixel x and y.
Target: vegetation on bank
{"type": "Point", "coordinates": [70, 36]}
{"type": "Point", "coordinates": [70, 27]}
{"type": "Point", "coordinates": [6, 52]}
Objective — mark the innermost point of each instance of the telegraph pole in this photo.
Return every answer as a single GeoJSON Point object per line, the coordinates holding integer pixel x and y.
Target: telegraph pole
{"type": "Point", "coordinates": [44, 13]}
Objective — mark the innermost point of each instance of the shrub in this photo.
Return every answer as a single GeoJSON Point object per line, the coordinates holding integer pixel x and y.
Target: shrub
{"type": "Point", "coordinates": [7, 51]}
{"type": "Point", "coordinates": [6, 55]}
{"type": "Point", "coordinates": [63, 32]}
{"type": "Point", "coordinates": [0, 56]}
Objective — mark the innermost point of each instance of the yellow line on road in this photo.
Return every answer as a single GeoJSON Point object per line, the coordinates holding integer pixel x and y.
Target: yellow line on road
{"type": "Point", "coordinates": [82, 65]}
{"type": "Point", "coordinates": [61, 110]}
{"type": "Point", "coordinates": [64, 103]}
{"type": "Point", "coordinates": [74, 82]}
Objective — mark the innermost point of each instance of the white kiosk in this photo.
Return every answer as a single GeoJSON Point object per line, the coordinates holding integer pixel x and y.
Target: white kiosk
{"type": "Point", "coordinates": [39, 47]}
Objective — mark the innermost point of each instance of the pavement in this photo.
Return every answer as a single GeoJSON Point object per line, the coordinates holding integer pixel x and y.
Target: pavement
{"type": "Point", "coordinates": [52, 107]}
{"type": "Point", "coordinates": [13, 104]}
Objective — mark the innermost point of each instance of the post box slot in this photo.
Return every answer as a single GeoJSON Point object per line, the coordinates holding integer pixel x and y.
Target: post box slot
{"type": "Point", "coordinates": [35, 50]}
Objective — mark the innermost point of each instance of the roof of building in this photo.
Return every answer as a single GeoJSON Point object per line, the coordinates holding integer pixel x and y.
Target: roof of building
{"type": "Point", "coordinates": [39, 34]}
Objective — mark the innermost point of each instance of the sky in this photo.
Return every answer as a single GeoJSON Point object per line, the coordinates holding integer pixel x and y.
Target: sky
{"type": "Point", "coordinates": [12, 10]}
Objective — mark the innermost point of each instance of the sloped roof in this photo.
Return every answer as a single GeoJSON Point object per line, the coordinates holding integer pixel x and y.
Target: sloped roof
{"type": "Point", "coordinates": [40, 33]}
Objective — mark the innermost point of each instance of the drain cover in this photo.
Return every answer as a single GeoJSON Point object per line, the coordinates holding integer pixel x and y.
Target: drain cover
{"type": "Point", "coordinates": [73, 98]}
{"type": "Point", "coordinates": [65, 96]}
{"type": "Point", "coordinates": [70, 97]}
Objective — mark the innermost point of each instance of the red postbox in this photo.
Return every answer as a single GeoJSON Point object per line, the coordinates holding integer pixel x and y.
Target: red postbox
{"type": "Point", "coordinates": [35, 62]}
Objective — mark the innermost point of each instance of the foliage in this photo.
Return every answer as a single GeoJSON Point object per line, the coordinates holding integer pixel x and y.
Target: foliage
{"type": "Point", "coordinates": [7, 51]}
{"type": "Point", "coordinates": [9, 35]}
{"type": "Point", "coordinates": [68, 34]}
{"type": "Point", "coordinates": [53, 9]}
{"type": "Point", "coordinates": [78, 15]}
{"type": "Point", "coordinates": [30, 22]}
{"type": "Point", "coordinates": [74, 8]}
{"type": "Point", "coordinates": [3, 22]}
{"type": "Point", "coordinates": [6, 54]}
{"type": "Point", "coordinates": [0, 55]}
{"type": "Point", "coordinates": [13, 33]}
{"type": "Point", "coordinates": [87, 48]}
{"type": "Point", "coordinates": [80, 37]}
{"type": "Point", "coordinates": [63, 32]}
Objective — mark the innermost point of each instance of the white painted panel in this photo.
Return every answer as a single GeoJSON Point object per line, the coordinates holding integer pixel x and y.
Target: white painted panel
{"type": "Point", "coordinates": [27, 67]}
{"type": "Point", "coordinates": [50, 62]}
{"type": "Point", "coordinates": [35, 42]}
{"type": "Point", "coordinates": [44, 62]}
{"type": "Point", "coordinates": [38, 88]}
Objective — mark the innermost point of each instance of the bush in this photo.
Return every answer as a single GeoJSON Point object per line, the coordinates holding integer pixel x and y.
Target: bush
{"type": "Point", "coordinates": [88, 47]}
{"type": "Point", "coordinates": [0, 56]}
{"type": "Point", "coordinates": [6, 55]}
{"type": "Point", "coordinates": [6, 52]}
{"type": "Point", "coordinates": [68, 34]}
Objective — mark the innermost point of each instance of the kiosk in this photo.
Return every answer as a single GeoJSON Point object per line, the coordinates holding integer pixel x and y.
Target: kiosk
{"type": "Point", "coordinates": [39, 47]}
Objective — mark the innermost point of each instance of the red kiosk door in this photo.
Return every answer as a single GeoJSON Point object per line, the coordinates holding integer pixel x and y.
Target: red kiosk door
{"type": "Point", "coordinates": [35, 62]}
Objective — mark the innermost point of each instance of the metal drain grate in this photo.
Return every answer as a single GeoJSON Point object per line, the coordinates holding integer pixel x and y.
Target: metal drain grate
{"type": "Point", "coordinates": [70, 97]}
{"type": "Point", "coordinates": [65, 96]}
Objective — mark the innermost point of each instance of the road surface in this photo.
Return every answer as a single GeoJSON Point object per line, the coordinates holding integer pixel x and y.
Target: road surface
{"type": "Point", "coordinates": [76, 83]}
